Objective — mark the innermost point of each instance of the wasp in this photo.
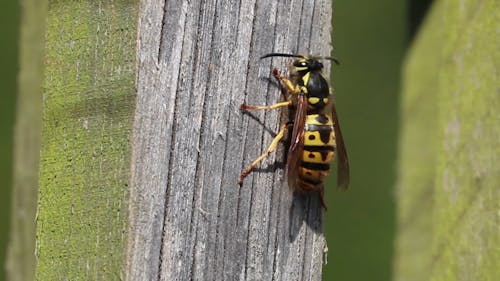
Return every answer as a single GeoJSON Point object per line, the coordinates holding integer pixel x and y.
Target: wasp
{"type": "Point", "coordinates": [316, 136]}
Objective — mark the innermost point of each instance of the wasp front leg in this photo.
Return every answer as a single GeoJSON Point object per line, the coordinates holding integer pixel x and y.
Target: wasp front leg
{"type": "Point", "coordinates": [286, 83]}
{"type": "Point", "coordinates": [269, 150]}
{"type": "Point", "coordinates": [275, 141]}
{"type": "Point", "coordinates": [290, 87]}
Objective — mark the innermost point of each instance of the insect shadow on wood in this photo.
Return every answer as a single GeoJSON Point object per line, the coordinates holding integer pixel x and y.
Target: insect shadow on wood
{"type": "Point", "coordinates": [305, 208]}
{"type": "Point", "coordinates": [271, 168]}
{"type": "Point", "coordinates": [284, 116]}
{"type": "Point", "coordinates": [278, 163]}
{"type": "Point", "coordinates": [276, 85]}
{"type": "Point", "coordinates": [260, 122]}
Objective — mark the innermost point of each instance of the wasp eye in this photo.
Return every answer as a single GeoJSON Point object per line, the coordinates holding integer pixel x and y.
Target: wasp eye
{"type": "Point", "coordinates": [300, 64]}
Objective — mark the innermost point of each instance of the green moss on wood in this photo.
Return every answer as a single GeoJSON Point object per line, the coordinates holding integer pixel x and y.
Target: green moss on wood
{"type": "Point", "coordinates": [88, 99]}
{"type": "Point", "coordinates": [418, 142]}
{"type": "Point", "coordinates": [456, 61]}
{"type": "Point", "coordinates": [467, 211]}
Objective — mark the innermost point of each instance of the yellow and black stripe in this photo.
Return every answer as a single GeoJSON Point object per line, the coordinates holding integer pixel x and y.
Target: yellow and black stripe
{"type": "Point", "coordinates": [319, 150]}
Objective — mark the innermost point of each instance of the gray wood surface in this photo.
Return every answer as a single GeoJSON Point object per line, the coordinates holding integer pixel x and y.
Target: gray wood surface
{"type": "Point", "coordinates": [189, 219]}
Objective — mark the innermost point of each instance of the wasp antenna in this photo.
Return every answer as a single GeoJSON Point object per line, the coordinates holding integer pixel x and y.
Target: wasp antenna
{"type": "Point", "coordinates": [281, 55]}
{"type": "Point", "coordinates": [335, 60]}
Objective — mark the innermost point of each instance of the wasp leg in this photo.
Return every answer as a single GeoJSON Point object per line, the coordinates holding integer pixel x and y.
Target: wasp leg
{"type": "Point", "coordinates": [245, 106]}
{"type": "Point", "coordinates": [290, 87]}
{"type": "Point", "coordinates": [270, 149]}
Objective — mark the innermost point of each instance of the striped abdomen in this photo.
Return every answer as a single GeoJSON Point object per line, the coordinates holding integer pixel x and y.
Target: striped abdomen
{"type": "Point", "coordinates": [319, 150]}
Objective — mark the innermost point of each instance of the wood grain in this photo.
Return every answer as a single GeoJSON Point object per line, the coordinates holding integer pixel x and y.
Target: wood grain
{"type": "Point", "coordinates": [189, 220]}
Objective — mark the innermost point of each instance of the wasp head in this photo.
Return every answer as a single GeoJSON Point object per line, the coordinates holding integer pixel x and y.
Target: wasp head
{"type": "Point", "coordinates": [306, 64]}
{"type": "Point", "coordinates": [303, 64]}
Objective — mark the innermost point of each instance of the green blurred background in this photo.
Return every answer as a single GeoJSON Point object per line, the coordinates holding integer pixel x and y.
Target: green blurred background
{"type": "Point", "coordinates": [370, 38]}
{"type": "Point", "coordinates": [9, 34]}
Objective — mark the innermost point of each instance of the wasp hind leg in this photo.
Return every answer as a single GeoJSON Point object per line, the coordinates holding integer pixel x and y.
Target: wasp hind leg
{"type": "Point", "coordinates": [270, 149]}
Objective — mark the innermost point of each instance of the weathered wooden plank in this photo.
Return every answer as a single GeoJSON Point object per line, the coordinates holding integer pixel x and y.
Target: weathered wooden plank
{"type": "Point", "coordinates": [417, 155]}
{"type": "Point", "coordinates": [84, 167]}
{"type": "Point", "coordinates": [189, 220]}
{"type": "Point", "coordinates": [448, 189]}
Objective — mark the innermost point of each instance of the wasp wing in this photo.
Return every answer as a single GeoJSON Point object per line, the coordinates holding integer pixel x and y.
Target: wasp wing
{"type": "Point", "coordinates": [342, 159]}
{"type": "Point", "coordinates": [297, 141]}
